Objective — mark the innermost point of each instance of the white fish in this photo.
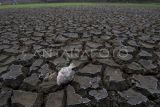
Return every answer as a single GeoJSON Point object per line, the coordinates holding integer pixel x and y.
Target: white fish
{"type": "Point", "coordinates": [66, 74]}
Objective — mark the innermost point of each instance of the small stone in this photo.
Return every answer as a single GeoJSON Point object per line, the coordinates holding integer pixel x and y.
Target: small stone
{"type": "Point", "coordinates": [129, 49]}
{"type": "Point", "coordinates": [148, 83]}
{"type": "Point", "coordinates": [95, 82]}
{"type": "Point", "coordinates": [109, 62]}
{"type": "Point", "coordinates": [91, 69]}
{"type": "Point", "coordinates": [3, 69]}
{"type": "Point", "coordinates": [116, 31]}
{"type": "Point", "coordinates": [158, 54]}
{"type": "Point", "coordinates": [44, 70]}
{"type": "Point", "coordinates": [159, 62]}
{"type": "Point", "coordinates": [48, 86]}
{"type": "Point", "coordinates": [85, 39]}
{"type": "Point", "coordinates": [146, 45]}
{"type": "Point", "coordinates": [25, 57]}
{"type": "Point", "coordinates": [8, 60]}
{"type": "Point", "coordinates": [147, 64]}
{"type": "Point", "coordinates": [26, 99]}
{"type": "Point", "coordinates": [132, 97]}
{"type": "Point", "coordinates": [144, 54]}
{"type": "Point", "coordinates": [4, 47]}
{"type": "Point", "coordinates": [114, 75]}
{"type": "Point", "coordinates": [61, 38]}
{"type": "Point", "coordinates": [38, 34]}
{"type": "Point", "coordinates": [55, 99]}
{"type": "Point", "coordinates": [31, 82]}
{"type": "Point", "coordinates": [134, 66]}
{"type": "Point", "coordinates": [73, 98]}
{"type": "Point", "coordinates": [99, 94]}
{"type": "Point", "coordinates": [70, 35]}
{"type": "Point", "coordinates": [14, 76]}
{"type": "Point", "coordinates": [105, 37]}
{"type": "Point", "coordinates": [86, 35]}
{"type": "Point", "coordinates": [117, 41]}
{"type": "Point", "coordinates": [144, 37]}
{"type": "Point", "coordinates": [13, 49]}
{"type": "Point", "coordinates": [93, 45]}
{"type": "Point", "coordinates": [56, 45]}
{"type": "Point", "coordinates": [77, 63]}
{"type": "Point", "coordinates": [126, 57]}
{"type": "Point", "coordinates": [36, 64]}
{"type": "Point", "coordinates": [132, 43]}
{"type": "Point", "coordinates": [29, 42]}
{"type": "Point", "coordinates": [2, 57]}
{"type": "Point", "coordinates": [108, 45]}
{"type": "Point", "coordinates": [37, 47]}
{"type": "Point", "coordinates": [87, 82]}
{"type": "Point", "coordinates": [155, 38]}
{"type": "Point", "coordinates": [113, 79]}
{"type": "Point", "coordinates": [96, 33]}
{"type": "Point", "coordinates": [59, 61]}
{"type": "Point", "coordinates": [4, 98]}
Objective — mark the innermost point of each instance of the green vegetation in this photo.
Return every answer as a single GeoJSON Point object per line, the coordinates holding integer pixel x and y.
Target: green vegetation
{"type": "Point", "coordinates": [46, 5]}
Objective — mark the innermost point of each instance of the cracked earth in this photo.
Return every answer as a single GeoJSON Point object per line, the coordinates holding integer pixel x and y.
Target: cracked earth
{"type": "Point", "coordinates": [131, 81]}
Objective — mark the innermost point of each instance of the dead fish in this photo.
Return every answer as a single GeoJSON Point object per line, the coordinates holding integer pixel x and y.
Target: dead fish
{"type": "Point", "coordinates": [66, 74]}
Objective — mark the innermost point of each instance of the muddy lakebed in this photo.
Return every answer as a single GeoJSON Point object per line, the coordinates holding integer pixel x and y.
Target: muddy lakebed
{"type": "Point", "coordinates": [116, 51]}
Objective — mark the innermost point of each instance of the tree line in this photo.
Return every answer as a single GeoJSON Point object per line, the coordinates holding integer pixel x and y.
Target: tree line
{"type": "Point", "coordinates": [130, 1]}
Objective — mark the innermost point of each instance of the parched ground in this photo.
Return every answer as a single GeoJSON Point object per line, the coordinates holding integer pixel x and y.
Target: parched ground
{"type": "Point", "coordinates": [116, 51]}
